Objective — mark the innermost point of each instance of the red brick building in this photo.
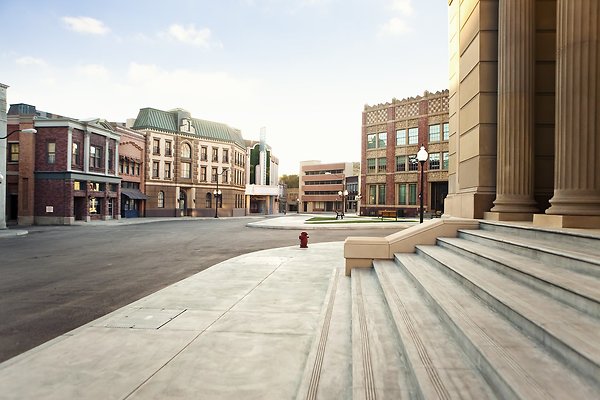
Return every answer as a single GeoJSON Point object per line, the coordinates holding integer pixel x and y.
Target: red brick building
{"type": "Point", "coordinates": [132, 150]}
{"type": "Point", "coordinates": [68, 171]}
{"type": "Point", "coordinates": [392, 133]}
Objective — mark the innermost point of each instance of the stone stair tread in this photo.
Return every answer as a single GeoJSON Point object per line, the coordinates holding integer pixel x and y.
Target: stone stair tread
{"type": "Point", "coordinates": [584, 285]}
{"type": "Point", "coordinates": [328, 370]}
{"type": "Point", "coordinates": [440, 367]}
{"type": "Point", "coordinates": [535, 306]}
{"type": "Point", "coordinates": [582, 253]}
{"type": "Point", "coordinates": [520, 362]}
{"type": "Point", "coordinates": [378, 367]}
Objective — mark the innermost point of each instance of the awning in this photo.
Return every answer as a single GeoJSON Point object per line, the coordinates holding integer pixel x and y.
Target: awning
{"type": "Point", "coordinates": [134, 194]}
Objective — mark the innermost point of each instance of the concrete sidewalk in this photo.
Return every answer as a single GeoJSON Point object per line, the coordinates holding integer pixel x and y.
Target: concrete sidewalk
{"type": "Point", "coordinates": [240, 329]}
{"type": "Point", "coordinates": [299, 221]}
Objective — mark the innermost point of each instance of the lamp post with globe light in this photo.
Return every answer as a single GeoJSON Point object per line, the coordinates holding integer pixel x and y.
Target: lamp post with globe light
{"type": "Point", "coordinates": [218, 193]}
{"type": "Point", "coordinates": [421, 157]}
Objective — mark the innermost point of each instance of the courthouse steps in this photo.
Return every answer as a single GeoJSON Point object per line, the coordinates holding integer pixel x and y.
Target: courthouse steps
{"type": "Point", "coordinates": [500, 312]}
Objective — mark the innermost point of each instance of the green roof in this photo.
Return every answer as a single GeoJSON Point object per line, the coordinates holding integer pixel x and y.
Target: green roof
{"type": "Point", "coordinates": [168, 121]}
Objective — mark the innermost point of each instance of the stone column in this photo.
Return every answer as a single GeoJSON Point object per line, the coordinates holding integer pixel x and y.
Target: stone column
{"type": "Point", "coordinates": [576, 200]}
{"type": "Point", "coordinates": [515, 157]}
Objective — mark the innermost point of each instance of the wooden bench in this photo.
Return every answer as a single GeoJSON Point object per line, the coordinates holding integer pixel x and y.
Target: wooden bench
{"type": "Point", "coordinates": [388, 214]}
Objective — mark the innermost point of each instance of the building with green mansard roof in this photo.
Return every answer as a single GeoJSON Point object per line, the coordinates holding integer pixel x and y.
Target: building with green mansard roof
{"type": "Point", "coordinates": [187, 159]}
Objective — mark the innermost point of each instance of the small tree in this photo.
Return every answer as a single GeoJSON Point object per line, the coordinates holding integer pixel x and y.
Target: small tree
{"type": "Point", "coordinates": [292, 181]}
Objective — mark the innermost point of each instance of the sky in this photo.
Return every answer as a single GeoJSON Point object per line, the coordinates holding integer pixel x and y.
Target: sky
{"type": "Point", "coordinates": [303, 69]}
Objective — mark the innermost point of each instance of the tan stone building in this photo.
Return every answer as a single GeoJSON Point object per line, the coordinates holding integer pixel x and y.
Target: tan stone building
{"type": "Point", "coordinates": [524, 105]}
{"type": "Point", "coordinates": [320, 183]}
{"type": "Point", "coordinates": [392, 134]}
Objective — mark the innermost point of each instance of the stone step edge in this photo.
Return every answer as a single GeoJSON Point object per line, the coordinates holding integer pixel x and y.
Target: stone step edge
{"type": "Point", "coordinates": [561, 349]}
{"type": "Point", "coordinates": [533, 279]}
{"type": "Point", "coordinates": [456, 319]}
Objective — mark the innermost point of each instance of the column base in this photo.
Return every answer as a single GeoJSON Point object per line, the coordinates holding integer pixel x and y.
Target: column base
{"type": "Point", "coordinates": [567, 221]}
{"type": "Point", "coordinates": [508, 216]}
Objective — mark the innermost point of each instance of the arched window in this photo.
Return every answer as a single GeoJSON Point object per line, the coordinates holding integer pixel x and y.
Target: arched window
{"type": "Point", "coordinates": [186, 151]}
{"type": "Point", "coordinates": [161, 199]}
{"type": "Point", "coordinates": [208, 200]}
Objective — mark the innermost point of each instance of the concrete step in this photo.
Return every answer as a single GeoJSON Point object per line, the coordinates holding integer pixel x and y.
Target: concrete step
{"type": "Point", "coordinates": [515, 365]}
{"type": "Point", "coordinates": [439, 368]}
{"type": "Point", "coordinates": [570, 335]}
{"type": "Point", "coordinates": [379, 370]}
{"type": "Point", "coordinates": [328, 370]}
{"type": "Point", "coordinates": [577, 259]}
{"type": "Point", "coordinates": [585, 241]}
{"type": "Point", "coordinates": [577, 290]}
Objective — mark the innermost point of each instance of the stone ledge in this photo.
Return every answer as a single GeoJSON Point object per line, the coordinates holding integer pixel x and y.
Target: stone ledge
{"type": "Point", "coordinates": [566, 221]}
{"type": "Point", "coordinates": [360, 252]}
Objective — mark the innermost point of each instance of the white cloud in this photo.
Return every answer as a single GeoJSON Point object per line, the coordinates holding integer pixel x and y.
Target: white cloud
{"type": "Point", "coordinates": [86, 25]}
{"type": "Point", "coordinates": [393, 27]}
{"type": "Point", "coordinates": [28, 60]}
{"type": "Point", "coordinates": [403, 6]}
{"type": "Point", "coordinates": [94, 71]}
{"type": "Point", "coordinates": [191, 35]}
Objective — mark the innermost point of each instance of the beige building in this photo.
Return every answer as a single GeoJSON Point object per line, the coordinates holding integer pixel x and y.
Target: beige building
{"type": "Point", "coordinates": [320, 184]}
{"type": "Point", "coordinates": [524, 103]}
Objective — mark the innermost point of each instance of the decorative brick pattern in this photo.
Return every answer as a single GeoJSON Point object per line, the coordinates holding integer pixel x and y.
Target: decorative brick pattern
{"type": "Point", "coordinates": [413, 110]}
{"type": "Point", "coordinates": [377, 116]}
{"type": "Point", "coordinates": [406, 177]}
{"type": "Point", "coordinates": [375, 129]}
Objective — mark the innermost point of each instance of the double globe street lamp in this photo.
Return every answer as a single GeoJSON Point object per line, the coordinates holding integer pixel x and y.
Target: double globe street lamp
{"type": "Point", "coordinates": [421, 158]}
{"type": "Point", "coordinates": [218, 194]}
{"type": "Point", "coordinates": [343, 195]}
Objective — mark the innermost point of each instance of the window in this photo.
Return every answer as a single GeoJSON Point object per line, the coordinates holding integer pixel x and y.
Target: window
{"type": "Point", "coordinates": [51, 152]}
{"type": "Point", "coordinates": [372, 194]}
{"type": "Point", "coordinates": [168, 148]}
{"type": "Point", "coordinates": [402, 193]}
{"type": "Point", "coordinates": [161, 199]}
{"type": "Point", "coordinates": [208, 200]}
{"type": "Point", "coordinates": [156, 146]}
{"type": "Point", "coordinates": [155, 165]}
{"type": "Point", "coordinates": [434, 161]}
{"type": "Point", "coordinates": [382, 139]}
{"type": "Point", "coordinates": [137, 169]}
{"type": "Point", "coordinates": [370, 165]}
{"type": "Point", "coordinates": [186, 151]}
{"type": "Point", "coordinates": [167, 170]}
{"type": "Point", "coordinates": [186, 169]}
{"type": "Point", "coordinates": [14, 152]}
{"type": "Point", "coordinates": [111, 206]}
{"type": "Point", "coordinates": [446, 129]}
{"type": "Point", "coordinates": [76, 185]}
{"type": "Point", "coordinates": [371, 141]}
{"type": "Point", "coordinates": [215, 154]}
{"type": "Point", "coordinates": [400, 163]}
{"type": "Point", "coordinates": [225, 155]}
{"type": "Point", "coordinates": [203, 174]}
{"type": "Point", "coordinates": [413, 163]}
{"type": "Point", "coordinates": [381, 164]}
{"type": "Point", "coordinates": [412, 194]}
{"type": "Point", "coordinates": [203, 153]}
{"type": "Point", "coordinates": [434, 133]}
{"type": "Point", "coordinates": [400, 137]}
{"type": "Point", "coordinates": [110, 159]}
{"type": "Point", "coordinates": [75, 154]}
{"type": "Point", "coordinates": [96, 157]}
{"type": "Point", "coordinates": [413, 135]}
{"type": "Point", "coordinates": [380, 194]}
{"type": "Point", "coordinates": [94, 205]}
{"type": "Point", "coordinates": [122, 166]}
{"type": "Point", "coordinates": [225, 176]}
{"type": "Point", "coordinates": [214, 174]}
{"type": "Point", "coordinates": [445, 160]}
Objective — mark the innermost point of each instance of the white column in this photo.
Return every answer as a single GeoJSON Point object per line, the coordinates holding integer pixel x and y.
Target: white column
{"type": "Point", "coordinates": [86, 151]}
{"type": "Point", "coordinates": [69, 148]}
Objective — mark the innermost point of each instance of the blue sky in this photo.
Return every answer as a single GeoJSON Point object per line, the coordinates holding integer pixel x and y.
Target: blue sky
{"type": "Point", "coordinates": [303, 69]}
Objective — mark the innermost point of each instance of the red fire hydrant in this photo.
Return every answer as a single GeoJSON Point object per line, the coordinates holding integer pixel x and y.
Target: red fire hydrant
{"type": "Point", "coordinates": [303, 240]}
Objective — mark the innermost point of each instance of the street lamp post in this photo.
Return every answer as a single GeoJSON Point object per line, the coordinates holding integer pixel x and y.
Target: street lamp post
{"type": "Point", "coordinates": [343, 195]}
{"type": "Point", "coordinates": [218, 193]}
{"type": "Point", "coordinates": [421, 157]}
{"type": "Point", "coordinates": [3, 173]}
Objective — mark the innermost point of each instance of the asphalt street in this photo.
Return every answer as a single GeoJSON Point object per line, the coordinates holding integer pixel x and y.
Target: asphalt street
{"type": "Point", "coordinates": [58, 278]}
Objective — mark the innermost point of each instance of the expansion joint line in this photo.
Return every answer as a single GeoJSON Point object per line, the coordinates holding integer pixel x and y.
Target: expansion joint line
{"type": "Point", "coordinates": [316, 372]}
{"type": "Point", "coordinates": [370, 393]}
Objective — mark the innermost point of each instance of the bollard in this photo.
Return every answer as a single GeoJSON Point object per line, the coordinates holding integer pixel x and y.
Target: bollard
{"type": "Point", "coordinates": [303, 240]}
